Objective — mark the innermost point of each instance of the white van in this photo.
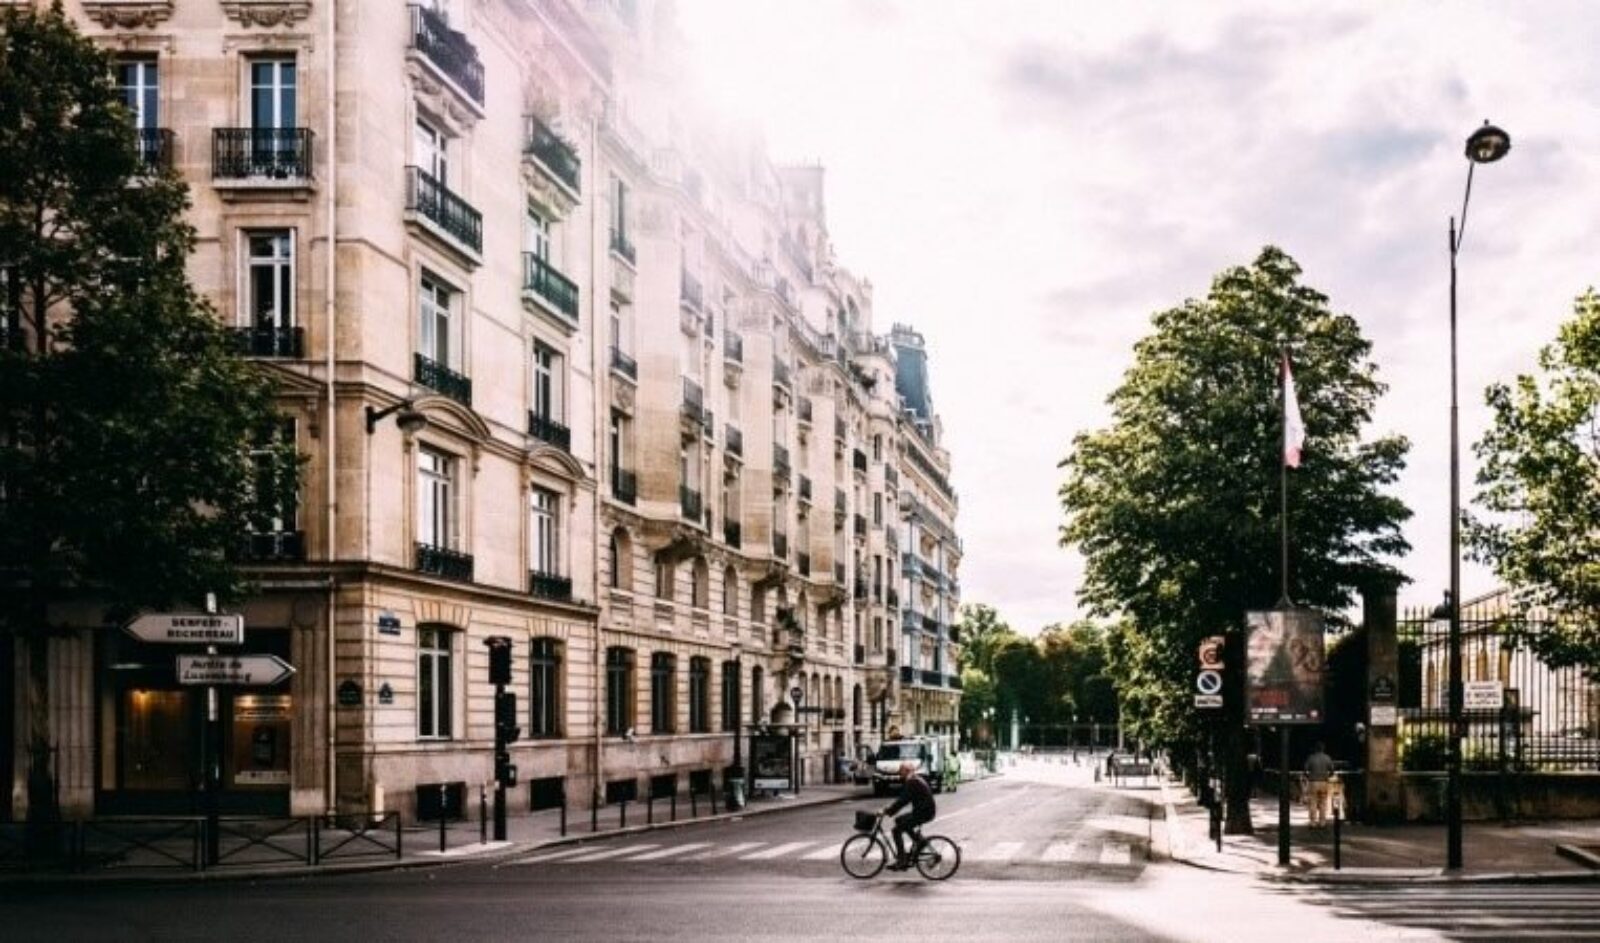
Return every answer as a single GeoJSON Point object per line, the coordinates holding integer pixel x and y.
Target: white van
{"type": "Point", "coordinates": [926, 752]}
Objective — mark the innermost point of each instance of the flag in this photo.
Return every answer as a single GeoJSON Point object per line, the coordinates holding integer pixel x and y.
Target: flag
{"type": "Point", "coordinates": [1294, 429]}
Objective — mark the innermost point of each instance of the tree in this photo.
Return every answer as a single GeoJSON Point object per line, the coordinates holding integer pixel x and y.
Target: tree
{"type": "Point", "coordinates": [1540, 481]}
{"type": "Point", "coordinates": [978, 698]}
{"type": "Point", "coordinates": [981, 630]}
{"type": "Point", "coordinates": [1174, 506]}
{"type": "Point", "coordinates": [126, 418]}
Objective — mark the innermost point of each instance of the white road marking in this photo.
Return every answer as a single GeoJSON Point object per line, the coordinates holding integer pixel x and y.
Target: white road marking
{"type": "Point", "coordinates": [824, 853]}
{"type": "Point", "coordinates": [1060, 851]}
{"type": "Point", "coordinates": [669, 852]}
{"type": "Point", "coordinates": [552, 856]}
{"type": "Point", "coordinates": [777, 851]}
{"type": "Point", "coordinates": [725, 852]}
{"type": "Point", "coordinates": [1116, 853]}
{"type": "Point", "coordinates": [1004, 851]}
{"type": "Point", "coordinates": [608, 853]}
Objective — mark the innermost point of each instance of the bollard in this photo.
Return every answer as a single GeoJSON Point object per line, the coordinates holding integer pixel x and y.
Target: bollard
{"type": "Point", "coordinates": [650, 807]}
{"type": "Point", "coordinates": [1337, 862]}
{"type": "Point", "coordinates": [713, 801]}
{"type": "Point", "coordinates": [483, 815]}
{"type": "Point", "coordinates": [674, 803]}
{"type": "Point", "coordinates": [1216, 822]}
{"type": "Point", "coordinates": [441, 817]}
{"type": "Point", "coordinates": [623, 823]}
{"type": "Point", "coordinates": [563, 815]}
{"type": "Point", "coordinates": [694, 803]}
{"type": "Point", "coordinates": [594, 817]}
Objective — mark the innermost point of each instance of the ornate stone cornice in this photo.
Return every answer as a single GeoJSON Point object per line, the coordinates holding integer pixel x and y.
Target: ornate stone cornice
{"type": "Point", "coordinates": [267, 12]}
{"type": "Point", "coordinates": [125, 14]}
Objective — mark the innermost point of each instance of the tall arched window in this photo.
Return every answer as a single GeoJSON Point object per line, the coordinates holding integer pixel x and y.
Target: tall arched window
{"type": "Point", "coordinates": [700, 592]}
{"type": "Point", "coordinates": [730, 592]}
{"type": "Point", "coordinates": [855, 707]}
{"type": "Point", "coordinates": [758, 695]}
{"type": "Point", "coordinates": [620, 564]}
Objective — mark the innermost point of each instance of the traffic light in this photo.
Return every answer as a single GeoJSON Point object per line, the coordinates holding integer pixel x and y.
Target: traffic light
{"type": "Point", "coordinates": [505, 772]}
{"type": "Point", "coordinates": [505, 717]}
{"type": "Point", "coordinates": [499, 659]}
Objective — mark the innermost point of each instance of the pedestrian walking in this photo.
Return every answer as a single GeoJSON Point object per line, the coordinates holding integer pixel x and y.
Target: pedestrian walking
{"type": "Point", "coordinates": [1319, 780]}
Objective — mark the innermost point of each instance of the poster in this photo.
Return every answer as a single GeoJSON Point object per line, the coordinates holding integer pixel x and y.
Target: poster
{"type": "Point", "coordinates": [1283, 671]}
{"type": "Point", "coordinates": [772, 761]}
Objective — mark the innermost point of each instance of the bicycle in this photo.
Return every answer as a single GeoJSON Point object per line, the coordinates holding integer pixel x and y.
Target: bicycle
{"type": "Point", "coordinates": [865, 854]}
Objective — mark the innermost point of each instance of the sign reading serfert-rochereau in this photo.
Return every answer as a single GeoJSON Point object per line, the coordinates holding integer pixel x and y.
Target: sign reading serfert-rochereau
{"type": "Point", "coordinates": [232, 669]}
{"type": "Point", "coordinates": [187, 628]}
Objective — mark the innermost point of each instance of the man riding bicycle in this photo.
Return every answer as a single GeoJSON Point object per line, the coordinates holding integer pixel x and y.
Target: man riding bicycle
{"type": "Point", "coordinates": [914, 791]}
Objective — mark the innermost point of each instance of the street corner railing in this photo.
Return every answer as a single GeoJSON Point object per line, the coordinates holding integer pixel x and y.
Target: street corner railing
{"type": "Point", "coordinates": [140, 844]}
{"type": "Point", "coordinates": [340, 837]}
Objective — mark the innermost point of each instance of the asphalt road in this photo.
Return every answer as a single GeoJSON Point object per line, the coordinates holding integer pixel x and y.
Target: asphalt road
{"type": "Point", "coordinates": [1047, 856]}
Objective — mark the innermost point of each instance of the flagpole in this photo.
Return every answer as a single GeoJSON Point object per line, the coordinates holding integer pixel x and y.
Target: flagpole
{"type": "Point", "coordinates": [1283, 476]}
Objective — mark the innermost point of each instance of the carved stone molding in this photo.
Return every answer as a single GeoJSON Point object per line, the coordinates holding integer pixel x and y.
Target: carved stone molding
{"type": "Point", "coordinates": [267, 12]}
{"type": "Point", "coordinates": [127, 14]}
{"type": "Point", "coordinates": [438, 100]}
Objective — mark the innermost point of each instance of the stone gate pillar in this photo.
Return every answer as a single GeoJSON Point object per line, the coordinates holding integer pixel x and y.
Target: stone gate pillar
{"type": "Point", "coordinates": [1384, 796]}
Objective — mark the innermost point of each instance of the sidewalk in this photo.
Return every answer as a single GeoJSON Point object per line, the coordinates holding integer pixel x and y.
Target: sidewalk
{"type": "Point", "coordinates": [1545, 851]}
{"type": "Point", "coordinates": [525, 832]}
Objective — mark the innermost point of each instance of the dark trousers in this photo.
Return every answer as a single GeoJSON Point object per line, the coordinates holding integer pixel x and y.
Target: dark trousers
{"type": "Point", "coordinates": [905, 823]}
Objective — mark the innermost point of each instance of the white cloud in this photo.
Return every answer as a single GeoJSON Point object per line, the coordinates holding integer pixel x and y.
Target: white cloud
{"type": "Point", "coordinates": [1027, 182]}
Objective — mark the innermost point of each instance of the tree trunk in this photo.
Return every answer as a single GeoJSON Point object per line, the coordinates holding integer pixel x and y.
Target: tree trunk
{"type": "Point", "coordinates": [42, 805]}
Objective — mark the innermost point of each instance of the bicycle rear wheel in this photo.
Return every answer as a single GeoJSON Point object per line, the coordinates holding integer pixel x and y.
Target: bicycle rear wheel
{"type": "Point", "coordinates": [939, 858]}
{"type": "Point", "coordinates": [863, 856]}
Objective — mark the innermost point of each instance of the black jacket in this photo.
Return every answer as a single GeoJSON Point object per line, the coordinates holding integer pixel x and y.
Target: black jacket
{"type": "Point", "coordinates": [916, 793]}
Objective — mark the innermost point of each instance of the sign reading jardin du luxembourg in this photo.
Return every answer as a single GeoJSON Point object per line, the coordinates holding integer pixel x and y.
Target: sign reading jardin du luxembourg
{"type": "Point", "coordinates": [1283, 670]}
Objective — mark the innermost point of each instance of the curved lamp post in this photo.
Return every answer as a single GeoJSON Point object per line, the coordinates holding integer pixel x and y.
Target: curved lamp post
{"type": "Point", "coordinates": [1485, 146]}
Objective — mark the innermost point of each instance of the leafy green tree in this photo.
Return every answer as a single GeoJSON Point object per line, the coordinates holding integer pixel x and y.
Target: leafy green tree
{"type": "Point", "coordinates": [978, 699]}
{"type": "Point", "coordinates": [1175, 505]}
{"type": "Point", "coordinates": [981, 630]}
{"type": "Point", "coordinates": [1540, 483]}
{"type": "Point", "coordinates": [125, 415]}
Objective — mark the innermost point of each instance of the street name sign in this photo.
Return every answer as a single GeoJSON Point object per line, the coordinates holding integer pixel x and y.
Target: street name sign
{"type": "Point", "coordinates": [250, 670]}
{"type": "Point", "coordinates": [187, 628]}
{"type": "Point", "coordinates": [1483, 695]}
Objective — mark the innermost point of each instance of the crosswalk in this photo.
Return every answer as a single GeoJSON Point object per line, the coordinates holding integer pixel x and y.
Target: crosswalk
{"type": "Point", "coordinates": [1476, 912]}
{"type": "Point", "coordinates": [1110, 850]}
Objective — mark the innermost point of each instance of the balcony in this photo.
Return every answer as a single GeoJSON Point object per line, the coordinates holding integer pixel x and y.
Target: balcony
{"type": "Point", "coordinates": [734, 440]}
{"type": "Point", "coordinates": [624, 486]}
{"type": "Point", "coordinates": [893, 598]}
{"type": "Point", "coordinates": [803, 410]}
{"type": "Point", "coordinates": [859, 460]}
{"type": "Point", "coordinates": [781, 376]}
{"type": "Point", "coordinates": [733, 347]}
{"type": "Point", "coordinates": [860, 527]}
{"type": "Point", "coordinates": [907, 673]}
{"type": "Point", "coordinates": [805, 489]}
{"type": "Point", "coordinates": [549, 586]}
{"type": "Point", "coordinates": [155, 147]}
{"type": "Point", "coordinates": [838, 574]}
{"type": "Point", "coordinates": [625, 365]}
{"type": "Point", "coordinates": [780, 545]}
{"type": "Point", "coordinates": [840, 430]}
{"type": "Point", "coordinates": [548, 430]}
{"type": "Point", "coordinates": [283, 546]}
{"type": "Point", "coordinates": [555, 155]}
{"type": "Point", "coordinates": [442, 380]}
{"type": "Point", "coordinates": [267, 157]}
{"type": "Point", "coordinates": [732, 534]}
{"type": "Point", "coordinates": [689, 502]}
{"type": "Point", "coordinates": [689, 291]}
{"type": "Point", "coordinates": [803, 563]}
{"type": "Point", "coordinates": [270, 340]}
{"type": "Point", "coordinates": [442, 561]}
{"type": "Point", "coordinates": [780, 464]}
{"type": "Point", "coordinates": [621, 247]}
{"type": "Point", "coordinates": [932, 679]}
{"type": "Point", "coordinates": [953, 682]}
{"type": "Point", "coordinates": [440, 209]}
{"type": "Point", "coordinates": [541, 283]}
{"type": "Point", "coordinates": [448, 51]}
{"type": "Point", "coordinates": [930, 624]}
{"type": "Point", "coordinates": [694, 402]}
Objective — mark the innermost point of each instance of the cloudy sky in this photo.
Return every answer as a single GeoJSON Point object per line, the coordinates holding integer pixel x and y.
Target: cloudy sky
{"type": "Point", "coordinates": [1028, 182]}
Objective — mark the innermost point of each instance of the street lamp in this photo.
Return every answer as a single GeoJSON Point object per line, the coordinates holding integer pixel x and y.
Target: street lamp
{"type": "Point", "coordinates": [410, 419]}
{"type": "Point", "coordinates": [1486, 145]}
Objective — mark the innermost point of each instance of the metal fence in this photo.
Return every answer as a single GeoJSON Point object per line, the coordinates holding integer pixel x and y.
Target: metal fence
{"type": "Point", "coordinates": [1550, 721]}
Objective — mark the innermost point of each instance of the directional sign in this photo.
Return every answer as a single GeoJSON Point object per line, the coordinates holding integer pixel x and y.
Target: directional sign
{"type": "Point", "coordinates": [232, 669]}
{"type": "Point", "coordinates": [1483, 695]}
{"type": "Point", "coordinates": [1211, 650]}
{"type": "Point", "coordinates": [187, 628]}
{"type": "Point", "coordinates": [1208, 701]}
{"type": "Point", "coordinates": [1208, 682]}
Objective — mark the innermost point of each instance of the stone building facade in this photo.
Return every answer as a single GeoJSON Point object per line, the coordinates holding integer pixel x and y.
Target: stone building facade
{"type": "Point", "coordinates": [566, 366]}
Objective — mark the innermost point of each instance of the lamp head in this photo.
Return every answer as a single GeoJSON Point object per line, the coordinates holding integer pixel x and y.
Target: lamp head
{"type": "Point", "coordinates": [410, 420]}
{"type": "Point", "coordinates": [1488, 144]}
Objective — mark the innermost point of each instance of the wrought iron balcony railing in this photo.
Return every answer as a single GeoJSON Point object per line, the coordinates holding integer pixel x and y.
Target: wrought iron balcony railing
{"type": "Point", "coordinates": [805, 489]}
{"type": "Point", "coordinates": [624, 364]}
{"type": "Point", "coordinates": [548, 430]}
{"type": "Point", "coordinates": [445, 562]}
{"type": "Point", "coordinates": [155, 147]}
{"type": "Point", "coordinates": [261, 153]}
{"type": "Point", "coordinates": [781, 374]}
{"type": "Point", "coordinates": [622, 247]}
{"type": "Point", "coordinates": [283, 546]}
{"type": "Point", "coordinates": [542, 279]}
{"type": "Point", "coordinates": [734, 439]}
{"type": "Point", "coordinates": [556, 155]}
{"type": "Point", "coordinates": [859, 459]}
{"type": "Point", "coordinates": [861, 654]}
{"type": "Point", "coordinates": [448, 49]}
{"type": "Point", "coordinates": [907, 673]}
{"type": "Point", "coordinates": [443, 380]}
{"type": "Point", "coordinates": [689, 291]}
{"type": "Point", "coordinates": [803, 409]}
{"type": "Point", "coordinates": [549, 585]}
{"type": "Point", "coordinates": [689, 502]}
{"type": "Point", "coordinates": [269, 340]}
{"type": "Point", "coordinates": [953, 682]}
{"type": "Point", "coordinates": [694, 402]}
{"type": "Point", "coordinates": [429, 198]}
{"type": "Point", "coordinates": [780, 463]}
{"type": "Point", "coordinates": [624, 485]}
{"type": "Point", "coordinates": [932, 679]}
{"type": "Point", "coordinates": [860, 526]}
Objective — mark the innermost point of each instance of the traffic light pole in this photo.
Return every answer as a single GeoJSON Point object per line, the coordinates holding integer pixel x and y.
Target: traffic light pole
{"type": "Point", "coordinates": [506, 730]}
{"type": "Point", "coordinates": [500, 750]}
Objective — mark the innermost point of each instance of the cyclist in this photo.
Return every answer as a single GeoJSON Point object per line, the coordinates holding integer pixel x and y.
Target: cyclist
{"type": "Point", "coordinates": [914, 791]}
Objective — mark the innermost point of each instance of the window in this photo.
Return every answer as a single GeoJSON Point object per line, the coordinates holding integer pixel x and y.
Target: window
{"type": "Point", "coordinates": [730, 697]}
{"type": "Point", "coordinates": [139, 82]}
{"type": "Point", "coordinates": [877, 634]}
{"type": "Point", "coordinates": [544, 695]}
{"type": "Point", "coordinates": [663, 696]}
{"type": "Point", "coordinates": [270, 278]}
{"type": "Point", "coordinates": [433, 683]}
{"type": "Point", "coordinates": [619, 691]}
{"type": "Point", "coordinates": [545, 528]}
{"type": "Point", "coordinates": [436, 499]}
{"type": "Point", "coordinates": [619, 327]}
{"type": "Point", "coordinates": [432, 152]}
{"type": "Point", "coordinates": [699, 695]}
{"type": "Point", "coordinates": [621, 562]}
{"type": "Point", "coordinates": [758, 697]}
{"type": "Point", "coordinates": [877, 508]}
{"type": "Point", "coordinates": [700, 592]}
{"type": "Point", "coordinates": [536, 235]}
{"type": "Point", "coordinates": [877, 448]}
{"type": "Point", "coordinates": [273, 94]}
{"type": "Point", "coordinates": [438, 321]}
{"type": "Point", "coordinates": [666, 577]}
{"type": "Point", "coordinates": [619, 209]}
{"type": "Point", "coordinates": [758, 603]}
{"type": "Point", "coordinates": [730, 592]}
{"type": "Point", "coordinates": [547, 382]}
{"type": "Point", "coordinates": [275, 509]}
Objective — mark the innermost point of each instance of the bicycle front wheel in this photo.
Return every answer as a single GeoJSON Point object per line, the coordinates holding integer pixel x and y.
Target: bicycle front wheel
{"type": "Point", "coordinates": [939, 859]}
{"type": "Point", "coordinates": [863, 856]}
